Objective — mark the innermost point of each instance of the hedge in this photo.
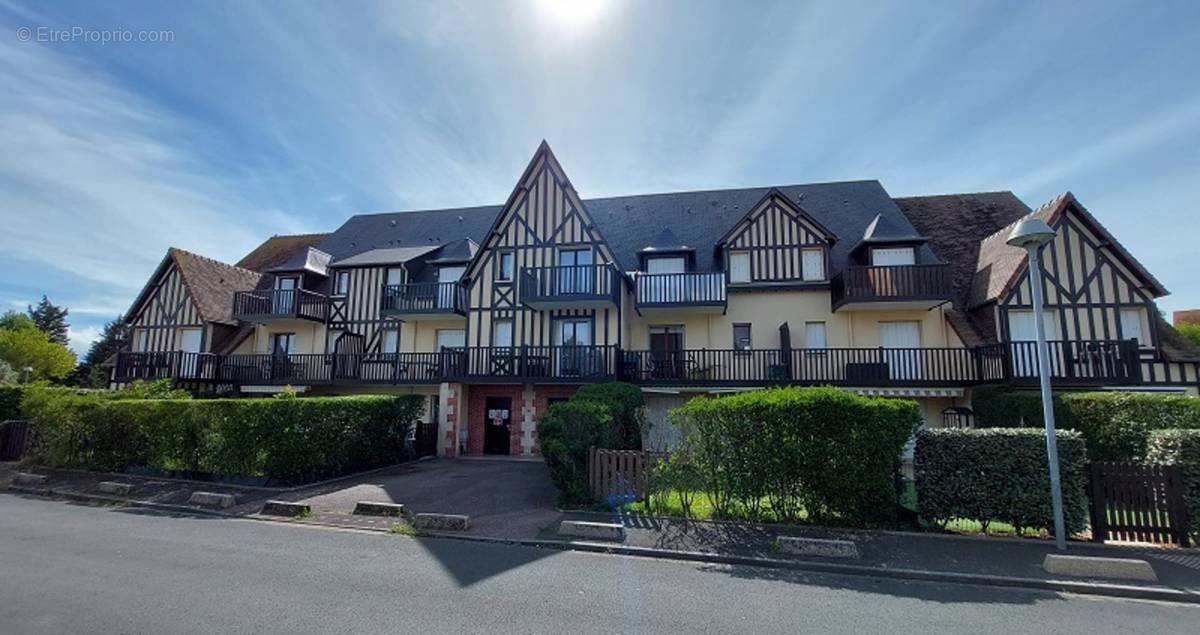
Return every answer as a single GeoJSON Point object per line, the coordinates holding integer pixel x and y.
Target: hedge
{"type": "Point", "coordinates": [625, 403]}
{"type": "Point", "coordinates": [1181, 447]}
{"type": "Point", "coordinates": [1116, 425]}
{"type": "Point", "coordinates": [10, 402]}
{"type": "Point", "coordinates": [287, 439]}
{"type": "Point", "coordinates": [822, 452]}
{"type": "Point", "coordinates": [999, 474]}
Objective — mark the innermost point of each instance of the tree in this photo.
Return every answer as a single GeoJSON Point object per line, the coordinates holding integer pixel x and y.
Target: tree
{"type": "Point", "coordinates": [51, 319]}
{"type": "Point", "coordinates": [90, 373]}
{"type": "Point", "coordinates": [25, 348]}
{"type": "Point", "coordinates": [1190, 330]}
{"type": "Point", "coordinates": [7, 374]}
{"type": "Point", "coordinates": [13, 321]}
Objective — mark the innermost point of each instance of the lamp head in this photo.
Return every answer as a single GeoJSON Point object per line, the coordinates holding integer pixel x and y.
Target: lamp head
{"type": "Point", "coordinates": [1031, 233]}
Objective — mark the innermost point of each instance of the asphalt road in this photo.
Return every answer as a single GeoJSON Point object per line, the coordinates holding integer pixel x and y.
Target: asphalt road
{"type": "Point", "coordinates": [68, 568]}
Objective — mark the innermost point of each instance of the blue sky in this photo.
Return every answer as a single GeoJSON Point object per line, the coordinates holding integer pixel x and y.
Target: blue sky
{"type": "Point", "coordinates": [264, 118]}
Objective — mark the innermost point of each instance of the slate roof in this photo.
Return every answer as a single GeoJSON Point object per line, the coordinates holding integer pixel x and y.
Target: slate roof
{"type": "Point", "coordinates": [277, 250]}
{"type": "Point", "coordinates": [388, 256]}
{"type": "Point", "coordinates": [210, 283]}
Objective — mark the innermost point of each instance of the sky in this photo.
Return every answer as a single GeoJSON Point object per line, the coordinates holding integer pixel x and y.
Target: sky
{"type": "Point", "coordinates": [129, 127]}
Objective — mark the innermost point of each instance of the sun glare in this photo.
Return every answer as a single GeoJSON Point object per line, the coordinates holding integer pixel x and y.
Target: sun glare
{"type": "Point", "coordinates": [572, 12]}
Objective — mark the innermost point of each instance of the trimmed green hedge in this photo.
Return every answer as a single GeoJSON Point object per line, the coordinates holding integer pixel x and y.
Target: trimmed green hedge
{"type": "Point", "coordinates": [1116, 425]}
{"type": "Point", "coordinates": [999, 474]}
{"type": "Point", "coordinates": [1181, 447]}
{"type": "Point", "coordinates": [626, 404]}
{"type": "Point", "coordinates": [289, 439]}
{"type": "Point", "coordinates": [822, 452]}
{"type": "Point", "coordinates": [10, 402]}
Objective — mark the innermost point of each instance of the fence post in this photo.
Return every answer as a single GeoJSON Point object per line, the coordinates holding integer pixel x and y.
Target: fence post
{"type": "Point", "coordinates": [1178, 508]}
{"type": "Point", "coordinates": [1098, 509]}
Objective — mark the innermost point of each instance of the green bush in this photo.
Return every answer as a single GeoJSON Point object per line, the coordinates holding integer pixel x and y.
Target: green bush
{"type": "Point", "coordinates": [823, 451]}
{"type": "Point", "coordinates": [285, 439]}
{"type": "Point", "coordinates": [1116, 425]}
{"type": "Point", "coordinates": [626, 404]}
{"type": "Point", "coordinates": [10, 401]}
{"type": "Point", "coordinates": [566, 431]}
{"type": "Point", "coordinates": [1181, 447]}
{"type": "Point", "coordinates": [998, 474]}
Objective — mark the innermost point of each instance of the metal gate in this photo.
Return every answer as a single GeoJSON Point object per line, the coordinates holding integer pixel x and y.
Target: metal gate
{"type": "Point", "coordinates": [14, 440]}
{"type": "Point", "coordinates": [425, 442]}
{"type": "Point", "coordinates": [1138, 503]}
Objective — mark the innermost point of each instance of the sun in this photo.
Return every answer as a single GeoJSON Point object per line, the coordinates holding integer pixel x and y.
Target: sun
{"type": "Point", "coordinates": [575, 13]}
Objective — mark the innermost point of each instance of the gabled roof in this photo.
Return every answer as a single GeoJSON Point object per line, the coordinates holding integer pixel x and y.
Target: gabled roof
{"type": "Point", "coordinates": [956, 225]}
{"type": "Point", "coordinates": [1000, 265]}
{"type": "Point", "coordinates": [775, 193]}
{"type": "Point", "coordinates": [210, 283]}
{"type": "Point", "coordinates": [276, 250]}
{"type": "Point", "coordinates": [666, 242]}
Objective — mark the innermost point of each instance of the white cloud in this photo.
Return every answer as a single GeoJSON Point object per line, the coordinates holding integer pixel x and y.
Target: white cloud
{"type": "Point", "coordinates": [81, 338]}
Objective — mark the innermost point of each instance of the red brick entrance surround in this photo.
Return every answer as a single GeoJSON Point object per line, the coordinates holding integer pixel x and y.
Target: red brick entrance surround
{"type": "Point", "coordinates": [523, 411]}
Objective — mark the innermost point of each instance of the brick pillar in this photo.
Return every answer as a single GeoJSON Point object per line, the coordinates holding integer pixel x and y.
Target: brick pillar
{"type": "Point", "coordinates": [451, 419]}
{"type": "Point", "coordinates": [528, 423]}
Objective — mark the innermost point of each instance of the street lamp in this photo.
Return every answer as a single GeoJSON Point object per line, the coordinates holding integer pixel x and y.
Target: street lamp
{"type": "Point", "coordinates": [1031, 235]}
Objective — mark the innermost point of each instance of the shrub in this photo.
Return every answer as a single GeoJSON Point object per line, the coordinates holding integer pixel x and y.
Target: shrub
{"type": "Point", "coordinates": [1181, 447]}
{"type": "Point", "coordinates": [998, 474]}
{"type": "Point", "coordinates": [1116, 425]}
{"type": "Point", "coordinates": [10, 401]}
{"type": "Point", "coordinates": [626, 404]}
{"type": "Point", "coordinates": [821, 450]}
{"type": "Point", "coordinates": [284, 439]}
{"type": "Point", "coordinates": [566, 431]}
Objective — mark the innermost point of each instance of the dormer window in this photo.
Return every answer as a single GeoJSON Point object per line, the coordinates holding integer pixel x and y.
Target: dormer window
{"type": "Point", "coordinates": [893, 256]}
{"type": "Point", "coordinates": [673, 264]}
{"type": "Point", "coordinates": [739, 267]}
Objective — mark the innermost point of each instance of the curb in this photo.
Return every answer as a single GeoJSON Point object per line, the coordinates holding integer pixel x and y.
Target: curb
{"type": "Point", "coordinates": [1062, 586]}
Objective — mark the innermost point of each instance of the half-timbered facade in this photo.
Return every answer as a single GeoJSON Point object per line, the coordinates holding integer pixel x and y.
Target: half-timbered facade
{"type": "Point", "coordinates": [495, 312]}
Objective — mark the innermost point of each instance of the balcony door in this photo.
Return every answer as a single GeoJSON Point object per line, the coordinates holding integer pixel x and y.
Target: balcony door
{"type": "Point", "coordinates": [666, 352]}
{"type": "Point", "coordinates": [575, 272]}
{"type": "Point", "coordinates": [285, 295]}
{"type": "Point", "coordinates": [885, 279]}
{"type": "Point", "coordinates": [447, 282]}
{"type": "Point", "coordinates": [1022, 335]}
{"type": "Point", "coordinates": [901, 342]}
{"type": "Point", "coordinates": [662, 287]}
{"type": "Point", "coordinates": [573, 339]}
{"type": "Point", "coordinates": [189, 345]}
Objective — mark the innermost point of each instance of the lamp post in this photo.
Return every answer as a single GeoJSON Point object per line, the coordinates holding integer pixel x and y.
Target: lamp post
{"type": "Point", "coordinates": [1032, 234]}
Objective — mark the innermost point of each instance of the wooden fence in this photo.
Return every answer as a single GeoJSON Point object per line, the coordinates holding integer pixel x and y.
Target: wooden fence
{"type": "Point", "coordinates": [14, 440]}
{"type": "Point", "coordinates": [619, 474]}
{"type": "Point", "coordinates": [1138, 503]}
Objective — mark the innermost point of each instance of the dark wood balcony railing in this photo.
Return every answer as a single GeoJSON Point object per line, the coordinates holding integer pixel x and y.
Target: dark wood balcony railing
{"type": "Point", "coordinates": [1073, 363]}
{"type": "Point", "coordinates": [424, 297]}
{"type": "Point", "coordinates": [167, 365]}
{"type": "Point", "coordinates": [280, 304]}
{"type": "Point", "coordinates": [569, 284]}
{"type": "Point", "coordinates": [680, 289]}
{"type": "Point", "coordinates": [891, 283]}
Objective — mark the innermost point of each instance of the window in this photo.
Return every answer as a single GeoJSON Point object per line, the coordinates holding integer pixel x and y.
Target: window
{"type": "Point", "coordinates": [395, 276]}
{"type": "Point", "coordinates": [665, 265]}
{"type": "Point", "coordinates": [1022, 329]}
{"type": "Point", "coordinates": [451, 338]}
{"type": "Point", "coordinates": [884, 256]}
{"type": "Point", "coordinates": [282, 343]}
{"type": "Point", "coordinates": [504, 266]}
{"type": "Point", "coordinates": [573, 333]}
{"type": "Point", "coordinates": [389, 341]}
{"type": "Point", "coordinates": [141, 340]}
{"type": "Point", "coordinates": [287, 283]}
{"type": "Point", "coordinates": [739, 267]}
{"type": "Point", "coordinates": [451, 273]}
{"type": "Point", "coordinates": [1131, 326]}
{"type": "Point", "coordinates": [812, 267]}
{"type": "Point", "coordinates": [575, 275]}
{"type": "Point", "coordinates": [502, 333]}
{"type": "Point", "coordinates": [814, 335]}
{"type": "Point", "coordinates": [741, 337]}
{"type": "Point", "coordinates": [341, 283]}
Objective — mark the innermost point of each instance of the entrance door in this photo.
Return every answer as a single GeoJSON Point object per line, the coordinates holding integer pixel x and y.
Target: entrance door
{"type": "Point", "coordinates": [666, 352]}
{"type": "Point", "coordinates": [573, 339]}
{"type": "Point", "coordinates": [496, 425]}
{"type": "Point", "coordinates": [189, 345]}
{"type": "Point", "coordinates": [902, 344]}
{"type": "Point", "coordinates": [285, 295]}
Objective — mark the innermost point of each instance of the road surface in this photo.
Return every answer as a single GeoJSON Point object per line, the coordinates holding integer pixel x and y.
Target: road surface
{"type": "Point", "coordinates": [67, 568]}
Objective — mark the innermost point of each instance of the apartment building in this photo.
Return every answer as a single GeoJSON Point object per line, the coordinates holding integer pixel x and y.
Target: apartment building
{"type": "Point", "coordinates": [495, 312]}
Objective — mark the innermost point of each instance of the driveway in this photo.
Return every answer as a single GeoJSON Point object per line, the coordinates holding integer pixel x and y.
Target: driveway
{"type": "Point", "coordinates": [505, 498]}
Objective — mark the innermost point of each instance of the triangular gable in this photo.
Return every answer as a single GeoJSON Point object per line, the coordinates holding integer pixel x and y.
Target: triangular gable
{"type": "Point", "coordinates": [576, 216]}
{"type": "Point", "coordinates": [151, 284]}
{"type": "Point", "coordinates": [209, 285]}
{"type": "Point", "coordinates": [1001, 267]}
{"type": "Point", "coordinates": [788, 206]}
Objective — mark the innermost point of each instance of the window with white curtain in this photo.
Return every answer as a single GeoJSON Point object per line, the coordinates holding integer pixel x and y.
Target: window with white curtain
{"type": "Point", "coordinates": [1131, 326]}
{"type": "Point", "coordinates": [739, 267]}
{"type": "Point", "coordinates": [814, 335]}
{"type": "Point", "coordinates": [812, 267]}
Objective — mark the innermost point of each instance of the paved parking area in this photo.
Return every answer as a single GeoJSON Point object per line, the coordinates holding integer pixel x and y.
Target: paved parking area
{"type": "Point", "coordinates": [505, 498]}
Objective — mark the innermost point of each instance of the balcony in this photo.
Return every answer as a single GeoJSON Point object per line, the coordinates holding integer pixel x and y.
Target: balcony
{"type": "Point", "coordinates": [574, 286]}
{"type": "Point", "coordinates": [280, 304]}
{"type": "Point", "coordinates": [424, 301]}
{"type": "Point", "coordinates": [1072, 364]}
{"type": "Point", "coordinates": [891, 287]}
{"type": "Point", "coordinates": [691, 292]}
